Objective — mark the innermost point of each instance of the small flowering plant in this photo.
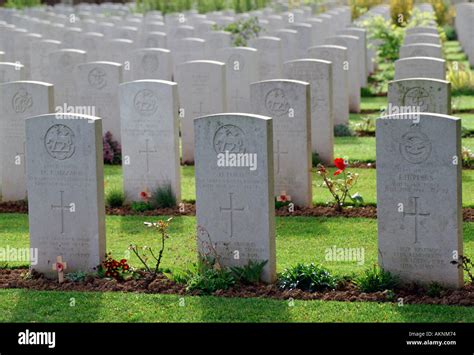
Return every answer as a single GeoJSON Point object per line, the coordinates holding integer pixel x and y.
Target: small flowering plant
{"type": "Point", "coordinates": [283, 199]}
{"type": "Point", "coordinates": [340, 186]}
{"type": "Point", "coordinates": [119, 270]}
{"type": "Point", "coordinates": [146, 253]}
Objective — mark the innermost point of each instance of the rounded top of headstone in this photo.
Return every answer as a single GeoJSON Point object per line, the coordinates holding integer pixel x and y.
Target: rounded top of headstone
{"type": "Point", "coordinates": [289, 81]}
{"type": "Point", "coordinates": [238, 115]}
{"type": "Point", "coordinates": [100, 62]}
{"type": "Point", "coordinates": [421, 80]}
{"type": "Point", "coordinates": [308, 60]}
{"type": "Point", "coordinates": [152, 50]}
{"type": "Point", "coordinates": [212, 62]}
{"type": "Point", "coordinates": [418, 115]}
{"type": "Point", "coordinates": [421, 58]}
{"type": "Point", "coordinates": [332, 46]}
{"type": "Point", "coordinates": [12, 64]}
{"type": "Point", "coordinates": [64, 116]}
{"type": "Point", "coordinates": [29, 82]}
{"type": "Point", "coordinates": [149, 81]}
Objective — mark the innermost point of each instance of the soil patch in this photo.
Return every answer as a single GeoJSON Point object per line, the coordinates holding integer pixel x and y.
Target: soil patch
{"type": "Point", "coordinates": [14, 278]}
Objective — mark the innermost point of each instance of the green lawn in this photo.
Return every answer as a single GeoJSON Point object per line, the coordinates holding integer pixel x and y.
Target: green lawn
{"type": "Point", "coordinates": [299, 239]}
{"type": "Point", "coordinates": [365, 186]}
{"type": "Point", "coordinates": [459, 103]}
{"type": "Point", "coordinates": [41, 306]}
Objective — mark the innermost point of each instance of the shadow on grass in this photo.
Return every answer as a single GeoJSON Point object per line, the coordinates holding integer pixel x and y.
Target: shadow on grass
{"type": "Point", "coordinates": [436, 314]}
{"type": "Point", "coordinates": [52, 306]}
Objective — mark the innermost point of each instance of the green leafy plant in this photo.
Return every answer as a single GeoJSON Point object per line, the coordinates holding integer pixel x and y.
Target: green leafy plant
{"type": "Point", "coordinates": [78, 276]}
{"type": "Point", "coordinates": [147, 253]}
{"type": "Point", "coordinates": [316, 160]}
{"type": "Point", "coordinates": [340, 187]}
{"type": "Point", "coordinates": [434, 289]}
{"type": "Point", "coordinates": [250, 273]}
{"type": "Point", "coordinates": [389, 38]}
{"type": "Point", "coordinates": [342, 130]}
{"type": "Point", "coordinates": [115, 198]}
{"type": "Point", "coordinates": [467, 157]}
{"type": "Point", "coordinates": [419, 18]}
{"type": "Point", "coordinates": [164, 6]}
{"type": "Point", "coordinates": [210, 280]}
{"type": "Point", "coordinates": [366, 127]}
{"type": "Point", "coordinates": [467, 265]}
{"type": "Point", "coordinates": [141, 206]}
{"type": "Point", "coordinates": [461, 78]}
{"type": "Point", "coordinates": [376, 279]}
{"type": "Point", "coordinates": [111, 268]}
{"type": "Point", "coordinates": [359, 7]}
{"type": "Point", "coordinates": [21, 4]}
{"type": "Point", "coordinates": [307, 277]}
{"type": "Point", "coordinates": [163, 197]}
{"type": "Point", "coordinates": [450, 33]}
{"type": "Point", "coordinates": [242, 30]}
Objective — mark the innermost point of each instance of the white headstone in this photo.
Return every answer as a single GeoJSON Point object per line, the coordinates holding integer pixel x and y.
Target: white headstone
{"type": "Point", "coordinates": [288, 103]}
{"type": "Point", "coordinates": [65, 191]}
{"type": "Point", "coordinates": [61, 66]}
{"type": "Point", "coordinates": [151, 63]}
{"type": "Point", "coordinates": [337, 55]}
{"type": "Point", "coordinates": [318, 73]}
{"type": "Point", "coordinates": [420, 67]}
{"type": "Point", "coordinates": [241, 71]}
{"type": "Point", "coordinates": [97, 92]}
{"type": "Point", "coordinates": [419, 210]}
{"type": "Point", "coordinates": [236, 216]}
{"type": "Point", "coordinates": [426, 95]}
{"type": "Point", "coordinates": [150, 137]}
{"type": "Point", "coordinates": [20, 99]}
{"type": "Point", "coordinates": [202, 91]}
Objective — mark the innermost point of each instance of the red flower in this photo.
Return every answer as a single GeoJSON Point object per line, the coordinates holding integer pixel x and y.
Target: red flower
{"type": "Point", "coordinates": [340, 165]}
{"type": "Point", "coordinates": [125, 267]}
{"type": "Point", "coordinates": [123, 261]}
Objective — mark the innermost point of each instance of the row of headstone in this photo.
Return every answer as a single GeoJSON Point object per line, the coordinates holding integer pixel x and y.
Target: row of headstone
{"type": "Point", "coordinates": [180, 36]}
{"type": "Point", "coordinates": [418, 149]}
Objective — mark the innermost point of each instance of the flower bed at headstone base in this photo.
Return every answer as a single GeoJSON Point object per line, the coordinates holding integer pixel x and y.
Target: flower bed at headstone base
{"type": "Point", "coordinates": [347, 292]}
{"type": "Point", "coordinates": [190, 210]}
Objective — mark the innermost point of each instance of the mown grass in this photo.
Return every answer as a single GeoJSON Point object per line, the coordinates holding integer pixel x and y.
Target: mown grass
{"type": "Point", "coordinates": [43, 306]}
{"type": "Point", "coordinates": [366, 184]}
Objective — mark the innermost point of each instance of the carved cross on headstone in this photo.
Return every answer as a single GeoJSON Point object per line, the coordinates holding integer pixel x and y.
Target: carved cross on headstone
{"type": "Point", "coordinates": [59, 266]}
{"type": "Point", "coordinates": [198, 113]}
{"type": "Point", "coordinates": [415, 214]}
{"type": "Point", "coordinates": [236, 98]}
{"type": "Point", "coordinates": [62, 207]}
{"type": "Point", "coordinates": [231, 209]}
{"type": "Point", "coordinates": [147, 151]}
{"type": "Point", "coordinates": [278, 152]}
